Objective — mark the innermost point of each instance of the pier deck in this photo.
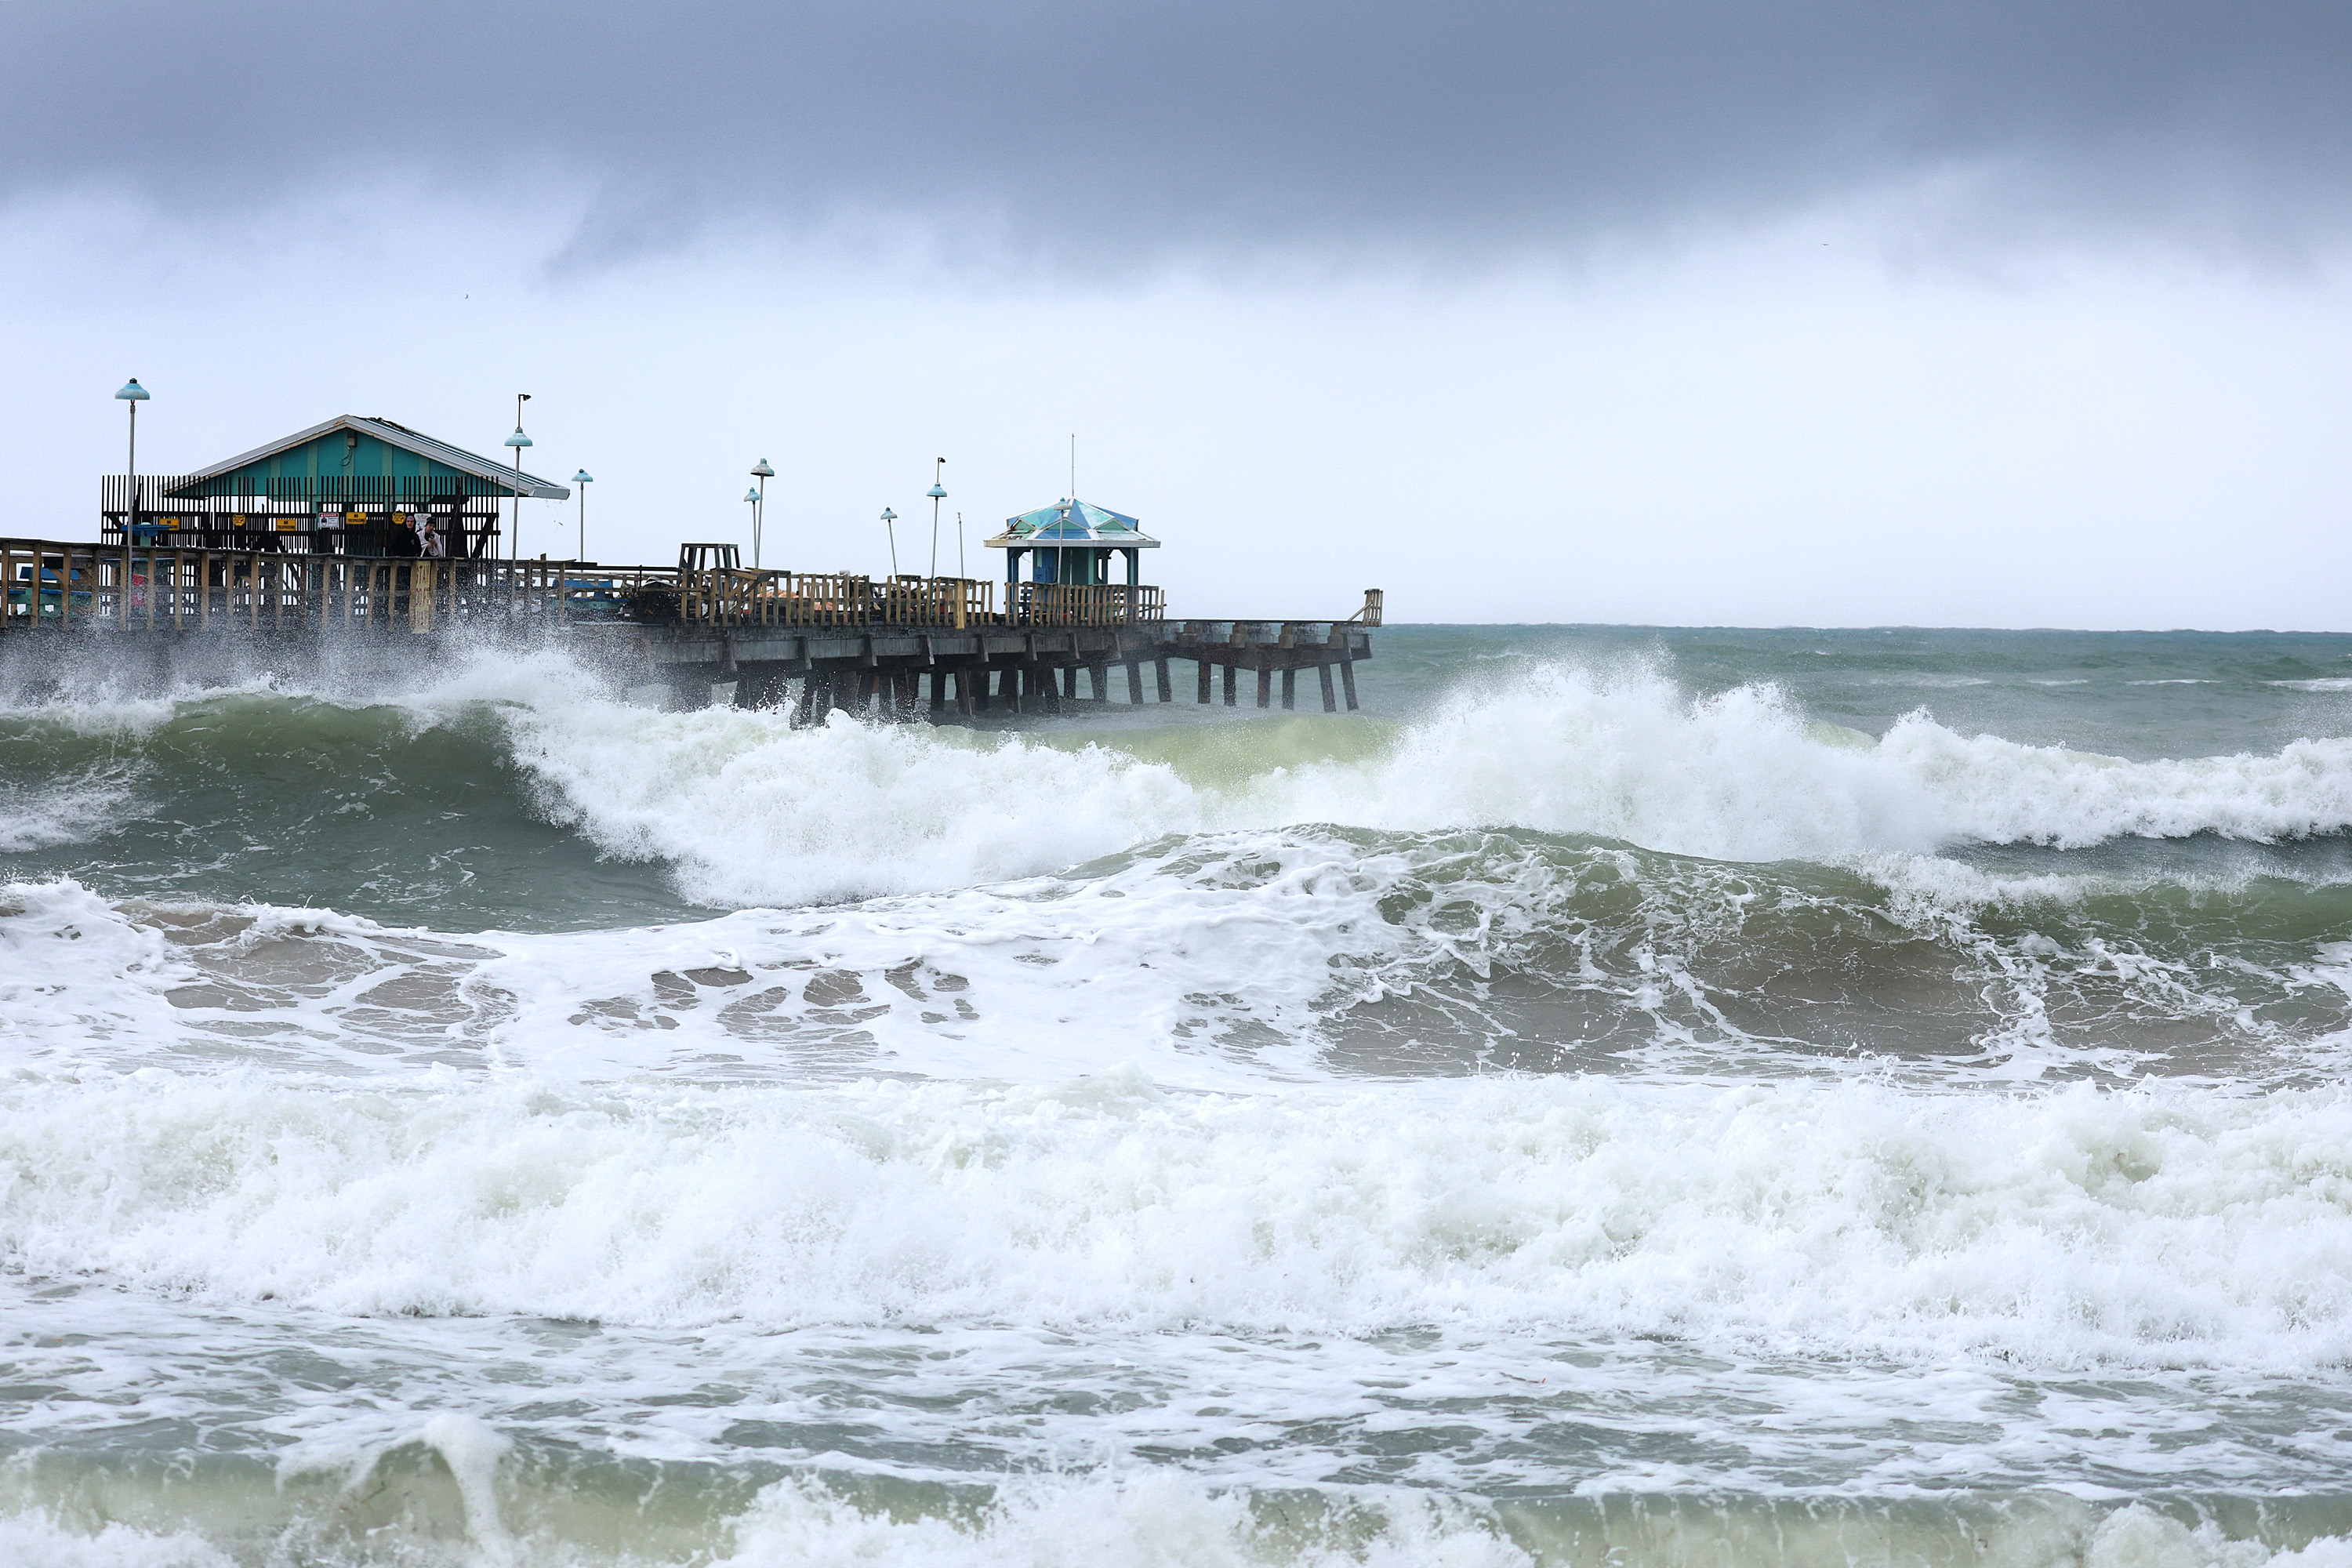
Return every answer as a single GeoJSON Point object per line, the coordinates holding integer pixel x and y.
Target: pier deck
{"type": "Point", "coordinates": [902, 648]}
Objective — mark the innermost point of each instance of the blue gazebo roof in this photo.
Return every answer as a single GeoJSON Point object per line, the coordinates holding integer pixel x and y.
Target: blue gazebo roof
{"type": "Point", "coordinates": [1076, 524]}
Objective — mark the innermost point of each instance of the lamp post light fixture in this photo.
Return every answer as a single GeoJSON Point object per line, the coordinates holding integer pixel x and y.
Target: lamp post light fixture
{"type": "Point", "coordinates": [583, 479]}
{"type": "Point", "coordinates": [937, 495]}
{"type": "Point", "coordinates": [890, 521]}
{"type": "Point", "coordinates": [134, 394]}
{"type": "Point", "coordinates": [518, 441]}
{"type": "Point", "coordinates": [761, 472]}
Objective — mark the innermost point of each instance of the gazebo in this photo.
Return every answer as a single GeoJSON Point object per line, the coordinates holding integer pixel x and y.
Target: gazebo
{"type": "Point", "coordinates": [1071, 542]}
{"type": "Point", "coordinates": [336, 487]}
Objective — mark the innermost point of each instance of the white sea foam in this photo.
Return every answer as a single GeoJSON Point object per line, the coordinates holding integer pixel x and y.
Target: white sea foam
{"type": "Point", "coordinates": [77, 975]}
{"type": "Point", "coordinates": [1165, 1520]}
{"type": "Point", "coordinates": [725, 795]}
{"type": "Point", "coordinates": [1157, 1520]}
{"type": "Point", "coordinates": [1146, 1518]}
{"type": "Point", "coordinates": [731, 799]}
{"type": "Point", "coordinates": [2076, 1229]}
{"type": "Point", "coordinates": [67, 811]}
{"type": "Point", "coordinates": [37, 1539]}
{"type": "Point", "coordinates": [1217, 960]}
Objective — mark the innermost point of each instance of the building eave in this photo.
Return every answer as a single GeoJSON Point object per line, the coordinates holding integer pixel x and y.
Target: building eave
{"type": "Point", "coordinates": [509, 481]}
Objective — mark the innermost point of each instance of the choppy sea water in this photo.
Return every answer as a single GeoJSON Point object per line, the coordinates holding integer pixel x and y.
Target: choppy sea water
{"type": "Point", "coordinates": [1626, 1097]}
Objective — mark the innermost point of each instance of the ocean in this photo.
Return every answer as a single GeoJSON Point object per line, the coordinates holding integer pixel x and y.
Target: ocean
{"type": "Point", "coordinates": [1629, 1096]}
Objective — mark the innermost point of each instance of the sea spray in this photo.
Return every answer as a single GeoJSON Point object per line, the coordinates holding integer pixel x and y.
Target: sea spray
{"type": "Point", "coordinates": [2077, 1229]}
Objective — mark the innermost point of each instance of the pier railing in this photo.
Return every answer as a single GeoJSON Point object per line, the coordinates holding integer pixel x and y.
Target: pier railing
{"type": "Point", "coordinates": [743, 597]}
{"type": "Point", "coordinates": [132, 587]}
{"type": "Point", "coordinates": [129, 589]}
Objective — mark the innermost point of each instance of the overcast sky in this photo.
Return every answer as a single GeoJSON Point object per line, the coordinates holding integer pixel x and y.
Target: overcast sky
{"type": "Point", "coordinates": [2005, 313]}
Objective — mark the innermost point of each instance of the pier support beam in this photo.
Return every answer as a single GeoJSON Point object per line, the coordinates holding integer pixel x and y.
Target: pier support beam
{"type": "Point", "coordinates": [1348, 681]}
{"type": "Point", "coordinates": [1229, 685]}
{"type": "Point", "coordinates": [1204, 666]}
{"type": "Point", "coordinates": [1289, 691]}
{"type": "Point", "coordinates": [1265, 686]}
{"type": "Point", "coordinates": [760, 685]}
{"type": "Point", "coordinates": [1323, 672]}
{"type": "Point", "coordinates": [1160, 672]}
{"type": "Point", "coordinates": [1134, 684]}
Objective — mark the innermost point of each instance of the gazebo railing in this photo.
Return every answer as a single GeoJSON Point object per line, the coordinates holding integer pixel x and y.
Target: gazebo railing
{"type": "Point", "coordinates": [1076, 604]}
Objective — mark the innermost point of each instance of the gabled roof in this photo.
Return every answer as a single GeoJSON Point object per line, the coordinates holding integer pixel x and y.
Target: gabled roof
{"type": "Point", "coordinates": [1076, 523]}
{"type": "Point", "coordinates": [500, 475]}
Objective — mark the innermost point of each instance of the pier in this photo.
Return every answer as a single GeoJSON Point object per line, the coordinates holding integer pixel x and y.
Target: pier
{"type": "Point", "coordinates": [899, 647]}
{"type": "Point", "coordinates": [362, 532]}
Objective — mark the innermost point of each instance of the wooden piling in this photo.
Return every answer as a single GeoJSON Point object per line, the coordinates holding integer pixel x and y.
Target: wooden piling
{"type": "Point", "coordinates": [1160, 674]}
{"type": "Point", "coordinates": [1323, 672]}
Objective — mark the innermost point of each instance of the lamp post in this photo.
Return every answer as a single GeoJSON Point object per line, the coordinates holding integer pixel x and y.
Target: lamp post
{"type": "Point", "coordinates": [751, 499]}
{"type": "Point", "coordinates": [518, 441]}
{"type": "Point", "coordinates": [583, 479]}
{"type": "Point", "coordinates": [889, 521]}
{"type": "Point", "coordinates": [937, 495]}
{"type": "Point", "coordinates": [959, 571]}
{"type": "Point", "coordinates": [761, 472]}
{"type": "Point", "coordinates": [134, 394]}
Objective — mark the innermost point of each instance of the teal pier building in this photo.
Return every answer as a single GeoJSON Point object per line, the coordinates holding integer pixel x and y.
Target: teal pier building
{"type": "Point", "coordinates": [351, 486]}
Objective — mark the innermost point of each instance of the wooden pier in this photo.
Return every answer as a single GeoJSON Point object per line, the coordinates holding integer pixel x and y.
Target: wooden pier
{"type": "Point", "coordinates": [899, 647]}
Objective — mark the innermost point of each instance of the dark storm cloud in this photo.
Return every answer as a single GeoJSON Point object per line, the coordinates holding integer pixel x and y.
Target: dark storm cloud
{"type": "Point", "coordinates": [1106, 132]}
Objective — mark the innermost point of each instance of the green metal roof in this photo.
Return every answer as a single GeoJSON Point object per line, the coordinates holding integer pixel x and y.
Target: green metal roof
{"type": "Point", "coordinates": [1075, 524]}
{"type": "Point", "coordinates": [349, 449]}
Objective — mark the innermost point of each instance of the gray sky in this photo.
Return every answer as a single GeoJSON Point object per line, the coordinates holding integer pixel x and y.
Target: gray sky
{"type": "Point", "coordinates": [2006, 312]}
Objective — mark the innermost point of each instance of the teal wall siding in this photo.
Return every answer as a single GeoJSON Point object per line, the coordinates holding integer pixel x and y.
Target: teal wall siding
{"type": "Point", "coordinates": [321, 469]}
